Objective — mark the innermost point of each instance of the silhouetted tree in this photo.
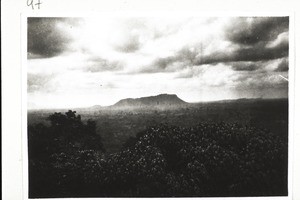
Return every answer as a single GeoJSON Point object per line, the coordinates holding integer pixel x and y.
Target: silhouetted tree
{"type": "Point", "coordinates": [67, 135]}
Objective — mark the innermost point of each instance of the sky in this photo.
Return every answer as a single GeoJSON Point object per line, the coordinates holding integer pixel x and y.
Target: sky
{"type": "Point", "coordinates": [81, 62]}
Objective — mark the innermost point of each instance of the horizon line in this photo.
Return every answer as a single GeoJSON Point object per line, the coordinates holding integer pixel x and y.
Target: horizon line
{"type": "Point", "coordinates": [194, 102]}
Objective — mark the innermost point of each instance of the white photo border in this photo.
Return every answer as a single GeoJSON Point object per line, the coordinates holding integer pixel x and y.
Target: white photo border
{"type": "Point", "coordinates": [291, 87]}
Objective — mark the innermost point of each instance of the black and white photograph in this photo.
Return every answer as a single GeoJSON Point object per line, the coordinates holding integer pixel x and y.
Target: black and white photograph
{"type": "Point", "coordinates": [157, 106]}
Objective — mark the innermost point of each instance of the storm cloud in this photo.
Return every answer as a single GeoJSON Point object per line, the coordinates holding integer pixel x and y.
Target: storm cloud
{"type": "Point", "coordinates": [255, 53]}
{"type": "Point", "coordinates": [46, 37]}
{"type": "Point", "coordinates": [250, 40]}
{"type": "Point", "coordinates": [252, 30]}
{"type": "Point", "coordinates": [247, 55]}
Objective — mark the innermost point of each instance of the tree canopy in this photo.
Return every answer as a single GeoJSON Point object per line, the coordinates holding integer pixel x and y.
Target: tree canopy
{"type": "Point", "coordinates": [67, 159]}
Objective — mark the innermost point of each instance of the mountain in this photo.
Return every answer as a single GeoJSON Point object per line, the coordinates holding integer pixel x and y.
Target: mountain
{"type": "Point", "coordinates": [159, 101]}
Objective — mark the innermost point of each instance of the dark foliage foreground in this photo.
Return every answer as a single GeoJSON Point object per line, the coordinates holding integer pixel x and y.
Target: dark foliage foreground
{"type": "Point", "coordinates": [67, 160]}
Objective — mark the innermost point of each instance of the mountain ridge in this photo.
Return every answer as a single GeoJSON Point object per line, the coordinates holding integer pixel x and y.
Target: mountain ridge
{"type": "Point", "coordinates": [97, 107]}
{"type": "Point", "coordinates": [161, 100]}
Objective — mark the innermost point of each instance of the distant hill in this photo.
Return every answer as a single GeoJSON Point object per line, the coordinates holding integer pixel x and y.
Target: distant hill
{"type": "Point", "coordinates": [160, 101]}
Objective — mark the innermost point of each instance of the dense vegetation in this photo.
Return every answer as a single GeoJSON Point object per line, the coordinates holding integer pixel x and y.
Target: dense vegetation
{"type": "Point", "coordinates": [116, 125]}
{"type": "Point", "coordinates": [67, 159]}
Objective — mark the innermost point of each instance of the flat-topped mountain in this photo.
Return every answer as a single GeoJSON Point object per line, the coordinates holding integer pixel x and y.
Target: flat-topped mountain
{"type": "Point", "coordinates": [162, 100]}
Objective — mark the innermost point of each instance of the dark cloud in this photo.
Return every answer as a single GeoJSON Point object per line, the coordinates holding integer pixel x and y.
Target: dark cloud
{"type": "Point", "coordinates": [245, 66]}
{"type": "Point", "coordinates": [45, 37]}
{"type": "Point", "coordinates": [283, 66]}
{"type": "Point", "coordinates": [162, 64]}
{"type": "Point", "coordinates": [253, 37]}
{"type": "Point", "coordinates": [182, 59]}
{"type": "Point", "coordinates": [256, 53]}
{"type": "Point", "coordinates": [185, 56]}
{"type": "Point", "coordinates": [39, 82]}
{"type": "Point", "coordinates": [250, 31]}
{"type": "Point", "coordinates": [98, 64]}
{"type": "Point", "coordinates": [246, 55]}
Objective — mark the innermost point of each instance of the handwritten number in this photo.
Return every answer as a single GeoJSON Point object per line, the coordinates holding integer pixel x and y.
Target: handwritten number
{"type": "Point", "coordinates": [32, 4]}
{"type": "Point", "coordinates": [38, 4]}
